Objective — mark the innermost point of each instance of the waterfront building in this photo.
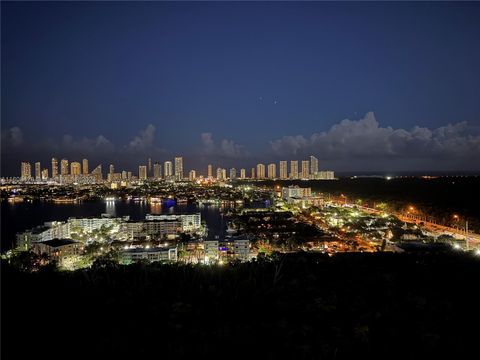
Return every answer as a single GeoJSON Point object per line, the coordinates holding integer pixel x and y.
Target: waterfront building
{"type": "Point", "coordinates": [26, 171]}
{"type": "Point", "coordinates": [38, 171]}
{"type": "Point", "coordinates": [58, 248]}
{"type": "Point", "coordinates": [178, 168]}
{"type": "Point", "coordinates": [260, 171]}
{"type": "Point", "coordinates": [75, 168]}
{"type": "Point", "coordinates": [241, 249]}
{"type": "Point", "coordinates": [210, 171]}
{"type": "Point", "coordinates": [295, 192]}
{"type": "Point", "coordinates": [64, 167]}
{"type": "Point", "coordinates": [168, 169]}
{"type": "Point", "coordinates": [97, 172]}
{"type": "Point", "coordinates": [157, 171]}
{"type": "Point", "coordinates": [54, 167]}
{"type": "Point", "coordinates": [326, 175]}
{"type": "Point", "coordinates": [192, 175]}
{"type": "Point", "coordinates": [252, 173]}
{"type": "Point", "coordinates": [188, 222]}
{"type": "Point", "coordinates": [305, 169]}
{"type": "Point", "coordinates": [85, 166]}
{"type": "Point", "coordinates": [149, 254]}
{"type": "Point", "coordinates": [111, 169]}
{"type": "Point", "coordinates": [272, 171]}
{"type": "Point", "coordinates": [283, 169]}
{"type": "Point", "coordinates": [149, 163]}
{"type": "Point", "coordinates": [243, 174]}
{"type": "Point", "coordinates": [294, 169]}
{"type": "Point", "coordinates": [313, 166]}
{"type": "Point", "coordinates": [211, 251]}
{"type": "Point", "coordinates": [233, 174]}
{"type": "Point", "coordinates": [221, 174]}
{"type": "Point", "coordinates": [142, 172]}
{"type": "Point", "coordinates": [45, 174]}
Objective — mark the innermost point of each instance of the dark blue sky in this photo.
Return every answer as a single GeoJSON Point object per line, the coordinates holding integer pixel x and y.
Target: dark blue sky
{"type": "Point", "coordinates": [248, 73]}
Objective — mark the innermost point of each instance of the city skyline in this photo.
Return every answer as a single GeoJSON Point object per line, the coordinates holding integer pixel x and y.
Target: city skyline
{"type": "Point", "coordinates": [174, 171]}
{"type": "Point", "coordinates": [299, 79]}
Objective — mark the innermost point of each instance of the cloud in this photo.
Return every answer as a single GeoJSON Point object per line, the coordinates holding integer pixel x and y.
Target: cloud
{"type": "Point", "coordinates": [12, 137]}
{"type": "Point", "coordinates": [366, 139]}
{"type": "Point", "coordinates": [86, 145]}
{"type": "Point", "coordinates": [144, 141]}
{"type": "Point", "coordinates": [225, 149]}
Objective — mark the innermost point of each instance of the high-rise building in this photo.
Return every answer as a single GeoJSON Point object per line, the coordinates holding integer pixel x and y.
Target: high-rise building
{"type": "Point", "coordinates": [111, 169]}
{"type": "Point", "coordinates": [97, 172]}
{"type": "Point", "coordinates": [243, 174]}
{"type": "Point", "coordinates": [283, 169]}
{"type": "Point", "coordinates": [221, 174]}
{"type": "Point", "coordinates": [157, 170]}
{"type": "Point", "coordinates": [142, 172]}
{"type": "Point", "coordinates": [192, 175]}
{"type": "Point", "coordinates": [85, 166]}
{"type": "Point", "coordinates": [168, 169]}
{"type": "Point", "coordinates": [45, 174]}
{"type": "Point", "coordinates": [38, 171]}
{"type": "Point", "coordinates": [124, 175]}
{"type": "Point", "coordinates": [272, 171]}
{"type": "Point", "coordinates": [313, 166]}
{"type": "Point", "coordinates": [149, 166]}
{"type": "Point", "coordinates": [129, 175]}
{"type": "Point", "coordinates": [26, 171]}
{"type": "Point", "coordinates": [260, 171]}
{"type": "Point", "coordinates": [305, 169]}
{"type": "Point", "coordinates": [64, 167]}
{"type": "Point", "coordinates": [75, 168]}
{"type": "Point", "coordinates": [252, 173]}
{"type": "Point", "coordinates": [178, 168]}
{"type": "Point", "coordinates": [233, 173]}
{"type": "Point", "coordinates": [210, 171]}
{"type": "Point", "coordinates": [293, 169]}
{"type": "Point", "coordinates": [54, 167]}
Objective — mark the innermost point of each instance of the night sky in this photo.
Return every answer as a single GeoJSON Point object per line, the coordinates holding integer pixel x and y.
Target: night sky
{"type": "Point", "coordinates": [363, 86]}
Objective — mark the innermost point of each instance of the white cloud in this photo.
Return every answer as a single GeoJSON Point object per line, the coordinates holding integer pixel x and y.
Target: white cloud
{"type": "Point", "coordinates": [225, 149]}
{"type": "Point", "coordinates": [144, 141]}
{"type": "Point", "coordinates": [365, 138]}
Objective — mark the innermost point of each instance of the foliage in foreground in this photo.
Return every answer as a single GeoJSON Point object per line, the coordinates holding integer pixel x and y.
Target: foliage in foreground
{"type": "Point", "coordinates": [299, 306]}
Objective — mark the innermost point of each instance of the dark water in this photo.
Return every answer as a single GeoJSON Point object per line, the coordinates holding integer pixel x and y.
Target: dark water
{"type": "Point", "coordinates": [22, 216]}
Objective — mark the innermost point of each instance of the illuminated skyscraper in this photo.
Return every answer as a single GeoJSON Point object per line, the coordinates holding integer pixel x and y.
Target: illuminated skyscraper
{"type": "Point", "coordinates": [305, 169]}
{"type": "Point", "coordinates": [168, 169]}
{"type": "Point", "coordinates": [313, 166]}
{"type": "Point", "coordinates": [192, 175]}
{"type": "Point", "coordinates": [294, 169]}
{"type": "Point", "coordinates": [157, 170]}
{"type": "Point", "coordinates": [38, 171]}
{"type": "Point", "coordinates": [85, 166]}
{"type": "Point", "coordinates": [142, 172]}
{"type": "Point", "coordinates": [54, 167]}
{"type": "Point", "coordinates": [97, 172]}
{"type": "Point", "coordinates": [45, 174]}
{"type": "Point", "coordinates": [221, 174]}
{"type": "Point", "coordinates": [272, 171]}
{"type": "Point", "coordinates": [178, 168]}
{"type": "Point", "coordinates": [260, 171]}
{"type": "Point", "coordinates": [124, 175]}
{"type": "Point", "coordinates": [210, 171]}
{"type": "Point", "coordinates": [64, 167]}
{"type": "Point", "coordinates": [149, 166]}
{"type": "Point", "coordinates": [252, 173]}
{"type": "Point", "coordinates": [233, 173]}
{"type": "Point", "coordinates": [111, 169]}
{"type": "Point", "coordinates": [243, 174]}
{"type": "Point", "coordinates": [75, 168]}
{"type": "Point", "coordinates": [283, 169]}
{"type": "Point", "coordinates": [26, 171]}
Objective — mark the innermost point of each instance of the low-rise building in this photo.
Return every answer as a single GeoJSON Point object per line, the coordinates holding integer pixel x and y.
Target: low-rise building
{"type": "Point", "coordinates": [150, 254]}
{"type": "Point", "coordinates": [58, 248]}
